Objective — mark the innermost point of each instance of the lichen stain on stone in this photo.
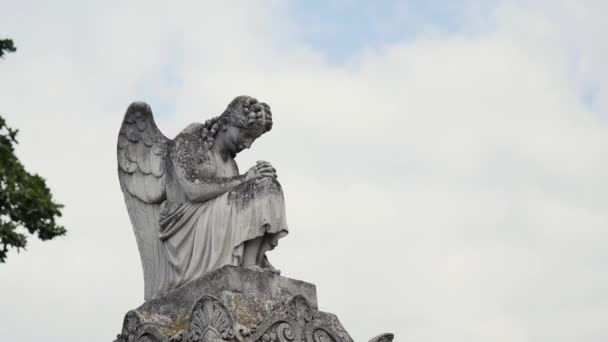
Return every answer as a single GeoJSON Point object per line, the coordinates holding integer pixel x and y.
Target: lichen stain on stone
{"type": "Point", "coordinates": [246, 311]}
{"type": "Point", "coordinates": [241, 196]}
{"type": "Point", "coordinates": [178, 324]}
{"type": "Point", "coordinates": [244, 316]}
{"type": "Point", "coordinates": [168, 325]}
{"type": "Point", "coordinates": [155, 318]}
{"type": "Point", "coordinates": [192, 156]}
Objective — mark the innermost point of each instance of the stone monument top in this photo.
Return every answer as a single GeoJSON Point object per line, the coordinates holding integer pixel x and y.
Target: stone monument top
{"type": "Point", "coordinates": [203, 229]}
{"type": "Point", "coordinates": [234, 303]}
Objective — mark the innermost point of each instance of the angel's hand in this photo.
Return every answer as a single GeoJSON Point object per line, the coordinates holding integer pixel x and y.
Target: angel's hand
{"type": "Point", "coordinates": [261, 169]}
{"type": "Point", "coordinates": [265, 166]}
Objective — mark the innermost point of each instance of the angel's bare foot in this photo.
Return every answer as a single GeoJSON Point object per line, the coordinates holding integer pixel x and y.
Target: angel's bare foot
{"type": "Point", "coordinates": [272, 270]}
{"type": "Point", "coordinates": [267, 266]}
{"type": "Point", "coordinates": [255, 268]}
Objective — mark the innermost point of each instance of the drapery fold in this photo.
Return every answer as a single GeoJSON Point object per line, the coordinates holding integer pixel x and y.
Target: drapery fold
{"type": "Point", "coordinates": [201, 237]}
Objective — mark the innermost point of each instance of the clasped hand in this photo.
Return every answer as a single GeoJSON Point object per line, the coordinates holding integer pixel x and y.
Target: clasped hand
{"type": "Point", "coordinates": [261, 169]}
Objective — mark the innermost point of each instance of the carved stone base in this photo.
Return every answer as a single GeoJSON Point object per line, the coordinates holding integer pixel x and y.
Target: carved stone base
{"type": "Point", "coordinates": [235, 304]}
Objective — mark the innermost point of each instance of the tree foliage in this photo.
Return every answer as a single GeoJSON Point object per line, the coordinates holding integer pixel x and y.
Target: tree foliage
{"type": "Point", "coordinates": [26, 203]}
{"type": "Point", "coordinates": [25, 200]}
{"type": "Point", "coordinates": [6, 45]}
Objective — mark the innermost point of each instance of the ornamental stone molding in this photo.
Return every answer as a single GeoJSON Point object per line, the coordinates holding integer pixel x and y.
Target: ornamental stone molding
{"type": "Point", "coordinates": [236, 305]}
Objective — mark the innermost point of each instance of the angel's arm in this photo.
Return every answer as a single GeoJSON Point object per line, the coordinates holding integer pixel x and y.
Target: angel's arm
{"type": "Point", "coordinates": [198, 182]}
{"type": "Point", "coordinates": [204, 188]}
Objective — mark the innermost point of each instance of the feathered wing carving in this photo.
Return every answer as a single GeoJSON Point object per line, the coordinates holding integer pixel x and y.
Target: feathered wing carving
{"type": "Point", "coordinates": [141, 171]}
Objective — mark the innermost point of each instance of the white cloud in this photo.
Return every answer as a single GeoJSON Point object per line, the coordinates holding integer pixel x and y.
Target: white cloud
{"type": "Point", "coordinates": [448, 187]}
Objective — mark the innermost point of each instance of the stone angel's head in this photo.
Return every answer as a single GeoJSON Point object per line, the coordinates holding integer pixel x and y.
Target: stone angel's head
{"type": "Point", "coordinates": [244, 120]}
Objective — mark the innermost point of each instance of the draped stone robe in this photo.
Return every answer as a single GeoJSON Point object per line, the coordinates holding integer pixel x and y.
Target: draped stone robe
{"type": "Point", "coordinates": [199, 237]}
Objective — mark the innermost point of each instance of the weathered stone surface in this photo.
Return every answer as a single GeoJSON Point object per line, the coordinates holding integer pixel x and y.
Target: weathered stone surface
{"type": "Point", "coordinates": [249, 294]}
{"type": "Point", "coordinates": [235, 304]}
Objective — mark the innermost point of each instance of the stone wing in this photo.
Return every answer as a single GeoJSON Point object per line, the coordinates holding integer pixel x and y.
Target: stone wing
{"type": "Point", "coordinates": [141, 170]}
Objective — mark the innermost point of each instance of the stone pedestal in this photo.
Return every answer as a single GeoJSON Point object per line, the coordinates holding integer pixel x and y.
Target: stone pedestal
{"type": "Point", "coordinates": [234, 304]}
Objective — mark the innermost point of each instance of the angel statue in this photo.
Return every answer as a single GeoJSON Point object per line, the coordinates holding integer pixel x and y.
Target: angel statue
{"type": "Point", "coordinates": [191, 209]}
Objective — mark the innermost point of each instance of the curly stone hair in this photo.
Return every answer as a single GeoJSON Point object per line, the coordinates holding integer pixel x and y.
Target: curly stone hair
{"type": "Point", "coordinates": [243, 112]}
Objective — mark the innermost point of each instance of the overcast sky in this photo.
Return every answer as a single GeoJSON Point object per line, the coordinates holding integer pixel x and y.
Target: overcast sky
{"type": "Point", "coordinates": [444, 162]}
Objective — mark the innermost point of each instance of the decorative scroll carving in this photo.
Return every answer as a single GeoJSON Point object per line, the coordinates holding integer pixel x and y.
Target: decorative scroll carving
{"type": "Point", "coordinates": [279, 332]}
{"type": "Point", "coordinates": [179, 337]}
{"type": "Point", "coordinates": [294, 320]}
{"type": "Point", "coordinates": [134, 331]}
{"type": "Point", "coordinates": [318, 331]}
{"type": "Point", "coordinates": [386, 337]}
{"type": "Point", "coordinates": [150, 333]}
{"type": "Point", "coordinates": [299, 309]}
{"type": "Point", "coordinates": [320, 335]}
{"type": "Point", "coordinates": [244, 331]}
{"type": "Point", "coordinates": [210, 321]}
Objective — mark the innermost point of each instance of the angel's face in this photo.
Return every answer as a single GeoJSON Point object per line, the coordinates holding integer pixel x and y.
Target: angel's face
{"type": "Point", "coordinates": [238, 139]}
